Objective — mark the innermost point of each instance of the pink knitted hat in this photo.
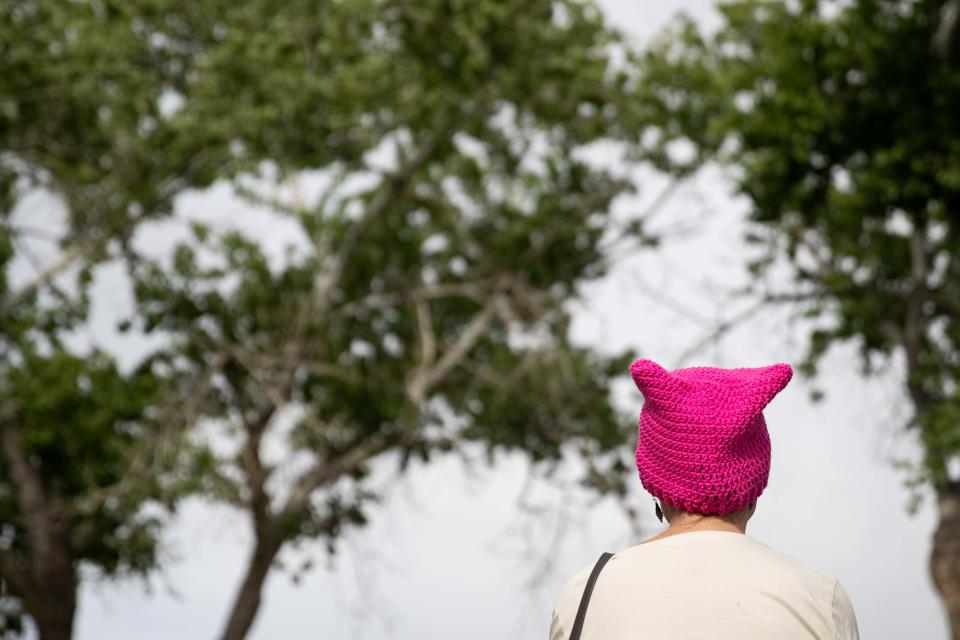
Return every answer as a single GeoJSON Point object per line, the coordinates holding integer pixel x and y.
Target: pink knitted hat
{"type": "Point", "coordinates": [702, 442]}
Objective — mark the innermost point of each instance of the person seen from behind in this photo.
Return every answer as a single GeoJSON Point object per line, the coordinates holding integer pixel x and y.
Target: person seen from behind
{"type": "Point", "coordinates": [703, 451]}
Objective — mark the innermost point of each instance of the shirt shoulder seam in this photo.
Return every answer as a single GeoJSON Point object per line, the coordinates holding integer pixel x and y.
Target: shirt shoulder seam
{"type": "Point", "coordinates": [563, 632]}
{"type": "Point", "coordinates": [833, 609]}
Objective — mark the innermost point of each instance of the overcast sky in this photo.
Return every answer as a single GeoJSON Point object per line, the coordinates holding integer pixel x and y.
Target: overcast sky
{"type": "Point", "coordinates": [452, 555]}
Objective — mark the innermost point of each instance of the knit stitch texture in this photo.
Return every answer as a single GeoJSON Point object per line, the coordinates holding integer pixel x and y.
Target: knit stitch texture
{"type": "Point", "coordinates": [702, 441]}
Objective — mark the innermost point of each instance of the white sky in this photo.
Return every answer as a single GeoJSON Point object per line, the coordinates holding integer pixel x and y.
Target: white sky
{"type": "Point", "coordinates": [450, 554]}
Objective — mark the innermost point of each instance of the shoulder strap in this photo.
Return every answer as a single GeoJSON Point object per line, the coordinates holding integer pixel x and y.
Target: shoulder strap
{"type": "Point", "coordinates": [585, 599]}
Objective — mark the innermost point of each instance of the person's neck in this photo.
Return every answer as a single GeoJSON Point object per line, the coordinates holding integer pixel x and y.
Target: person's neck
{"type": "Point", "coordinates": [687, 523]}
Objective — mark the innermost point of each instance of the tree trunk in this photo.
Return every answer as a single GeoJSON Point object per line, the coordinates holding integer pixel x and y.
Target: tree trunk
{"type": "Point", "coordinates": [47, 581]}
{"type": "Point", "coordinates": [56, 622]}
{"type": "Point", "coordinates": [945, 557]}
{"type": "Point", "coordinates": [247, 602]}
{"type": "Point", "coordinates": [54, 607]}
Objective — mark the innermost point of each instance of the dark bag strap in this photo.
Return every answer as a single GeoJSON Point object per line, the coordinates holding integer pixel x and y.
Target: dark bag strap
{"type": "Point", "coordinates": [585, 598]}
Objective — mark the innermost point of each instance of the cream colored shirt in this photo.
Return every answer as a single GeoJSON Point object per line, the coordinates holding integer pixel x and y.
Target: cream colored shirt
{"type": "Point", "coordinates": [706, 585]}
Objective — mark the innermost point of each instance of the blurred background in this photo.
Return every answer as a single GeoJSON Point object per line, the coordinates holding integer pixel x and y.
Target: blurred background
{"type": "Point", "coordinates": [316, 317]}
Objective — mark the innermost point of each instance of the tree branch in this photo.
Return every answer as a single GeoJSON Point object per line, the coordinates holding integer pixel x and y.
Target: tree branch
{"type": "Point", "coordinates": [420, 384]}
{"type": "Point", "coordinates": [12, 573]}
{"type": "Point", "coordinates": [474, 290]}
{"type": "Point", "coordinates": [182, 410]}
{"type": "Point", "coordinates": [428, 351]}
{"type": "Point", "coordinates": [392, 186]}
{"type": "Point", "coordinates": [328, 471]}
{"type": "Point", "coordinates": [44, 276]}
{"type": "Point", "coordinates": [30, 495]}
{"type": "Point", "coordinates": [256, 474]}
{"type": "Point", "coordinates": [948, 29]}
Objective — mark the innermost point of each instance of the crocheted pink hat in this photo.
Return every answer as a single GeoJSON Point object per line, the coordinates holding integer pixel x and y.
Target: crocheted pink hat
{"type": "Point", "coordinates": [702, 441]}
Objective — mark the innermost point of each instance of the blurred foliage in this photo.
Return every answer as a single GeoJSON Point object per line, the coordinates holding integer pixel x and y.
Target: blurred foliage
{"type": "Point", "coordinates": [842, 129]}
{"type": "Point", "coordinates": [85, 91]}
{"type": "Point", "coordinates": [82, 88]}
{"type": "Point", "coordinates": [427, 310]}
{"type": "Point", "coordinates": [424, 310]}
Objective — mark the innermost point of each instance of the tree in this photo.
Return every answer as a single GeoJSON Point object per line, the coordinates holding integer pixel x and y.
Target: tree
{"type": "Point", "coordinates": [426, 311]}
{"type": "Point", "coordinates": [84, 445]}
{"type": "Point", "coordinates": [945, 38]}
{"type": "Point", "coordinates": [843, 132]}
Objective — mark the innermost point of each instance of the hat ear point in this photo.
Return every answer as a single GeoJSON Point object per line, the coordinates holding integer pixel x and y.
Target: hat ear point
{"type": "Point", "coordinates": [643, 369]}
{"type": "Point", "coordinates": [776, 377]}
{"type": "Point", "coordinates": [782, 374]}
